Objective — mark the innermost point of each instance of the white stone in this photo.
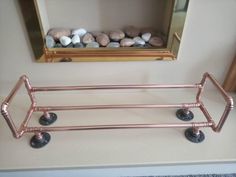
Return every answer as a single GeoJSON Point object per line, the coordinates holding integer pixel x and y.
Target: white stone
{"type": "Point", "coordinates": [65, 41]}
{"type": "Point", "coordinates": [75, 39]}
{"type": "Point", "coordinates": [146, 36]}
{"type": "Point", "coordinates": [92, 45]}
{"type": "Point", "coordinates": [113, 45]}
{"type": "Point", "coordinates": [80, 32]}
{"type": "Point", "coordinates": [139, 40]}
{"type": "Point", "coordinates": [50, 43]}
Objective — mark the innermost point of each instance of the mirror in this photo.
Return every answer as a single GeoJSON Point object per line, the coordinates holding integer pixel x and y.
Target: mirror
{"type": "Point", "coordinates": [104, 30]}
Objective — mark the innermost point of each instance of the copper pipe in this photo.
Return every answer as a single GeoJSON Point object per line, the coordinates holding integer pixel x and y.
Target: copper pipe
{"type": "Point", "coordinates": [26, 120]}
{"type": "Point", "coordinates": [117, 126]}
{"type": "Point", "coordinates": [121, 106]}
{"type": "Point", "coordinates": [29, 89]}
{"type": "Point", "coordinates": [7, 101]}
{"type": "Point", "coordinates": [8, 119]}
{"type": "Point", "coordinates": [46, 114]}
{"type": "Point", "coordinates": [103, 87]}
{"type": "Point", "coordinates": [200, 89]}
{"type": "Point", "coordinates": [15, 89]}
{"type": "Point", "coordinates": [207, 115]}
{"type": "Point", "coordinates": [227, 98]}
{"type": "Point", "coordinates": [37, 130]}
{"type": "Point", "coordinates": [229, 101]}
{"type": "Point", "coordinates": [38, 135]}
{"type": "Point", "coordinates": [223, 118]}
{"type": "Point", "coordinates": [196, 130]}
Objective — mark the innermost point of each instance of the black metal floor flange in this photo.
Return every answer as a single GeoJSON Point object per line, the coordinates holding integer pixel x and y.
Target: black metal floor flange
{"type": "Point", "coordinates": [35, 142]}
{"type": "Point", "coordinates": [48, 120]}
{"type": "Point", "coordinates": [184, 115]}
{"type": "Point", "coordinates": [193, 137]}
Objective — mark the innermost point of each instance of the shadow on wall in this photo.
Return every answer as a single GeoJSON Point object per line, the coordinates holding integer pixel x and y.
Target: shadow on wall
{"type": "Point", "coordinates": [25, 34]}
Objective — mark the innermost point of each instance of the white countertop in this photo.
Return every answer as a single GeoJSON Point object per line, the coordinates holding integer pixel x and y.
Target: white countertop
{"type": "Point", "coordinates": [116, 148]}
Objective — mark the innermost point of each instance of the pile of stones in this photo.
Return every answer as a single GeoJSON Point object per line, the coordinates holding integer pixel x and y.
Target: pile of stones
{"type": "Point", "coordinates": [80, 38]}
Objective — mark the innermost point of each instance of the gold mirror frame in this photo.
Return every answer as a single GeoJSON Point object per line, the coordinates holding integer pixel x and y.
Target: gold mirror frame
{"type": "Point", "coordinates": [34, 27]}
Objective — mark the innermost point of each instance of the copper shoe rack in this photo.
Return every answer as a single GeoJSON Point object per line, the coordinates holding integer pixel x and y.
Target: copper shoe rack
{"type": "Point", "coordinates": [41, 136]}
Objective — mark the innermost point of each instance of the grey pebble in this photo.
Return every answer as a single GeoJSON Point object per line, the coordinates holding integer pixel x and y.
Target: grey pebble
{"type": "Point", "coordinates": [78, 45]}
{"type": "Point", "coordinates": [138, 45]}
{"type": "Point", "coordinates": [147, 45]}
{"type": "Point", "coordinates": [139, 40]}
{"type": "Point", "coordinates": [126, 42]}
{"type": "Point", "coordinates": [58, 45]}
{"type": "Point", "coordinates": [69, 46]}
{"type": "Point", "coordinates": [113, 45]}
{"type": "Point", "coordinates": [92, 45]}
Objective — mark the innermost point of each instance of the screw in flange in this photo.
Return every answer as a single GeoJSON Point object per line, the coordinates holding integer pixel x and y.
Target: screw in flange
{"type": "Point", "coordinates": [184, 114]}
{"type": "Point", "coordinates": [195, 136]}
{"type": "Point", "coordinates": [40, 139]}
{"type": "Point", "coordinates": [48, 118]}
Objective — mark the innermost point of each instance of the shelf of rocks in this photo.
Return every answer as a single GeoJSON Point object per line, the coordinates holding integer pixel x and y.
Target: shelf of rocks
{"type": "Point", "coordinates": [80, 38]}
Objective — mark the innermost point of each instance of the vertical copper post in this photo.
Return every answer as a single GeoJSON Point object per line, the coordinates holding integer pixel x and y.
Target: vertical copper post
{"type": "Point", "coordinates": [186, 110]}
{"type": "Point", "coordinates": [46, 115]}
{"type": "Point", "coordinates": [194, 135]}
{"type": "Point", "coordinates": [40, 139]}
{"type": "Point", "coordinates": [38, 135]}
{"type": "Point", "coordinates": [47, 118]}
{"type": "Point", "coordinates": [185, 114]}
{"type": "Point", "coordinates": [196, 131]}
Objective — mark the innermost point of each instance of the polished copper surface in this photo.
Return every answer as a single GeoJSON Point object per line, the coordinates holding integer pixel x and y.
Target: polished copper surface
{"type": "Point", "coordinates": [24, 128]}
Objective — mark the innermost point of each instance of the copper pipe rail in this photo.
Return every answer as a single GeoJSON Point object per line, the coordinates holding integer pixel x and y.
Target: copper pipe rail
{"type": "Point", "coordinates": [24, 128]}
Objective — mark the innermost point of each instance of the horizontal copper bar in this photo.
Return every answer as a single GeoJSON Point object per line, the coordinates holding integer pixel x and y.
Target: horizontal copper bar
{"type": "Point", "coordinates": [101, 87]}
{"type": "Point", "coordinates": [118, 106]}
{"type": "Point", "coordinates": [117, 126]}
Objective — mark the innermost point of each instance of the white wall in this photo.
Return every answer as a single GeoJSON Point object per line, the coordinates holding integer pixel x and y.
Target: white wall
{"type": "Point", "coordinates": [209, 42]}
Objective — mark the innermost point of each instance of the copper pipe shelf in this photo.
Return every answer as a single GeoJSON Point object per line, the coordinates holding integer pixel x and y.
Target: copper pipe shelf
{"type": "Point", "coordinates": [42, 137]}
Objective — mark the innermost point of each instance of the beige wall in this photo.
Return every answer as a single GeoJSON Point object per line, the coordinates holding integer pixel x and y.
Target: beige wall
{"type": "Point", "coordinates": [209, 42]}
{"type": "Point", "coordinates": [105, 14]}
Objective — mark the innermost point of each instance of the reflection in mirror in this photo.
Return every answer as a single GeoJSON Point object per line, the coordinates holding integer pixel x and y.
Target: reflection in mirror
{"type": "Point", "coordinates": [104, 30]}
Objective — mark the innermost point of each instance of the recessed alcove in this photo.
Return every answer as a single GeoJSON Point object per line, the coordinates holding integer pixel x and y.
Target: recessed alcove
{"type": "Point", "coordinates": [165, 17]}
